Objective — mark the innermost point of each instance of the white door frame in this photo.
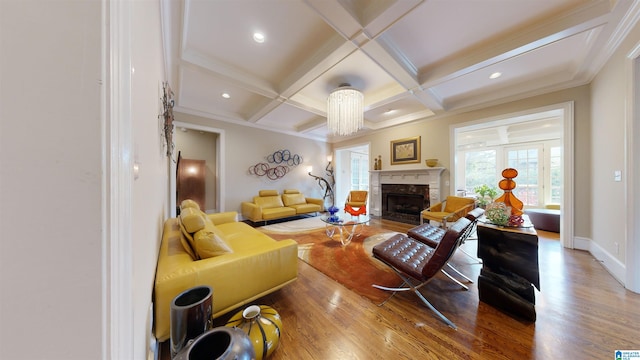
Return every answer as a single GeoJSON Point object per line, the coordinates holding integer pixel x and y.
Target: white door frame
{"type": "Point", "coordinates": [220, 164]}
{"type": "Point", "coordinates": [342, 181]}
{"type": "Point", "coordinates": [567, 204]}
{"type": "Point", "coordinates": [632, 185]}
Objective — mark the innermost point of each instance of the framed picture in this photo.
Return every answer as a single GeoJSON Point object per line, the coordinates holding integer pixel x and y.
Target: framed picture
{"type": "Point", "coordinates": [405, 151]}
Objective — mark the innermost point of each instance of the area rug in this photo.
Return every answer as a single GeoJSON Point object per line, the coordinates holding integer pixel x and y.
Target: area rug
{"type": "Point", "coordinates": [294, 226]}
{"type": "Point", "coordinates": [352, 265]}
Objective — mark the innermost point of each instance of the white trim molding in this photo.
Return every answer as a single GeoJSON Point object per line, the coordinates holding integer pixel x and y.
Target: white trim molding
{"type": "Point", "coordinates": [568, 164]}
{"type": "Point", "coordinates": [220, 165]}
{"type": "Point", "coordinates": [632, 163]}
{"type": "Point", "coordinates": [117, 267]}
{"type": "Point", "coordinates": [614, 266]}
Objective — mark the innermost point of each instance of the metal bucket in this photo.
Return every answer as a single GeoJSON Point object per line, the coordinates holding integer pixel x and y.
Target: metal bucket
{"type": "Point", "coordinates": [191, 316]}
{"type": "Point", "coordinates": [221, 343]}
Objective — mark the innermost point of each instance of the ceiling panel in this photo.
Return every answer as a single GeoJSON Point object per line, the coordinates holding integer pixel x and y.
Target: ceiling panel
{"type": "Point", "coordinates": [203, 91]}
{"type": "Point", "coordinates": [556, 60]}
{"type": "Point", "coordinates": [417, 58]}
{"type": "Point", "coordinates": [223, 31]}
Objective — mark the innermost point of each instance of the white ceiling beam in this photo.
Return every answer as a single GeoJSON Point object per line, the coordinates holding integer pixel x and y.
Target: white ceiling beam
{"type": "Point", "coordinates": [230, 74]}
{"type": "Point", "coordinates": [322, 61]}
{"type": "Point", "coordinates": [588, 17]}
{"type": "Point", "coordinates": [624, 17]}
{"type": "Point", "coordinates": [382, 17]}
{"type": "Point", "coordinates": [315, 124]}
{"type": "Point", "coordinates": [337, 16]}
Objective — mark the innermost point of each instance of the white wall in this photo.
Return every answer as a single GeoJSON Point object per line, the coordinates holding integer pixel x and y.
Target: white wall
{"type": "Point", "coordinates": [51, 172]}
{"type": "Point", "coordinates": [609, 128]}
{"type": "Point", "coordinates": [54, 179]}
{"type": "Point", "coordinates": [435, 143]}
{"type": "Point", "coordinates": [245, 147]}
{"type": "Point", "coordinates": [150, 202]}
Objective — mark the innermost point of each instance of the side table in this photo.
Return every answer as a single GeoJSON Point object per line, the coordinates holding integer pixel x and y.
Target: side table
{"type": "Point", "coordinates": [509, 268]}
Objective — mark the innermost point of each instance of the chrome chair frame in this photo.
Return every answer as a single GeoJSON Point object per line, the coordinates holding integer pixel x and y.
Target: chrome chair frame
{"type": "Point", "coordinates": [473, 216]}
{"type": "Point", "coordinates": [440, 255]}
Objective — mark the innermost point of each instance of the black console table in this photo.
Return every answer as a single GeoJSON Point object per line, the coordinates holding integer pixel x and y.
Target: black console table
{"type": "Point", "coordinates": [510, 268]}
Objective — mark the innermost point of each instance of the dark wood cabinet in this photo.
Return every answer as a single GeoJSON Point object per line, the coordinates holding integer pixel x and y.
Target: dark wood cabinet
{"type": "Point", "coordinates": [510, 269]}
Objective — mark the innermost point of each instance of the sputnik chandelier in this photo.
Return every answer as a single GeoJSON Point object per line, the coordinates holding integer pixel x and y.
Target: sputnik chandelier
{"type": "Point", "coordinates": [345, 110]}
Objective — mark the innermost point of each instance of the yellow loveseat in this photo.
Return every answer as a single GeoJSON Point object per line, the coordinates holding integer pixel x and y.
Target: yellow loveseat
{"type": "Point", "coordinates": [269, 205]}
{"type": "Point", "coordinates": [239, 262]}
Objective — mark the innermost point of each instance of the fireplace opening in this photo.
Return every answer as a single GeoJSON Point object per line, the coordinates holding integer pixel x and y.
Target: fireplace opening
{"type": "Point", "coordinates": [404, 203]}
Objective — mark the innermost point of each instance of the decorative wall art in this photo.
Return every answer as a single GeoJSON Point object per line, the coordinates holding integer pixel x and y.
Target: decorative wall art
{"type": "Point", "coordinates": [405, 151]}
{"type": "Point", "coordinates": [327, 185]}
{"type": "Point", "coordinates": [278, 165]}
{"type": "Point", "coordinates": [167, 117]}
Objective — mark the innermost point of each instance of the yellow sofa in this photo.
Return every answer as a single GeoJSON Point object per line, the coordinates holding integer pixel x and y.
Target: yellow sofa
{"type": "Point", "coordinates": [244, 264]}
{"type": "Point", "coordinates": [269, 205]}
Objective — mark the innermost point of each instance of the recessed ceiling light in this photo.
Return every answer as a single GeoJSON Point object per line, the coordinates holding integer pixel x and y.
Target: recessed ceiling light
{"type": "Point", "coordinates": [495, 75]}
{"type": "Point", "coordinates": [389, 111]}
{"type": "Point", "coordinates": [258, 37]}
{"type": "Point", "coordinates": [226, 95]}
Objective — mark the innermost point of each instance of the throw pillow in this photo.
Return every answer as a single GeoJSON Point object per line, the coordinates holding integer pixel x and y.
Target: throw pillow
{"type": "Point", "coordinates": [293, 199]}
{"type": "Point", "coordinates": [186, 240]}
{"type": "Point", "coordinates": [192, 219]}
{"type": "Point", "coordinates": [209, 244]}
{"type": "Point", "coordinates": [268, 202]}
{"type": "Point", "coordinates": [188, 203]}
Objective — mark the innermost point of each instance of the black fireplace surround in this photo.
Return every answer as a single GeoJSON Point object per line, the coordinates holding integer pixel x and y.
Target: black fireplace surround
{"type": "Point", "coordinates": [404, 202]}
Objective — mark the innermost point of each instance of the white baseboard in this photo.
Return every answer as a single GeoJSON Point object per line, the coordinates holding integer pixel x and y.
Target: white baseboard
{"type": "Point", "coordinates": [609, 262]}
{"type": "Point", "coordinates": [152, 342]}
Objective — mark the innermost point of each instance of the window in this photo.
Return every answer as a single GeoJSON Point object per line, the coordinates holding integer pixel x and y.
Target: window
{"type": "Point", "coordinates": [359, 171]}
{"type": "Point", "coordinates": [480, 167]}
{"type": "Point", "coordinates": [539, 180]}
{"type": "Point", "coordinates": [526, 159]}
{"type": "Point", "coordinates": [555, 170]}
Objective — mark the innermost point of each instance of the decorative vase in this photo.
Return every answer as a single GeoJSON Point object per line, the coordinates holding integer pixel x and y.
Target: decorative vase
{"type": "Point", "coordinates": [332, 211]}
{"type": "Point", "coordinates": [190, 316]}
{"type": "Point", "coordinates": [507, 185]}
{"type": "Point", "coordinates": [263, 326]}
{"type": "Point", "coordinates": [223, 343]}
{"type": "Point", "coordinates": [498, 213]}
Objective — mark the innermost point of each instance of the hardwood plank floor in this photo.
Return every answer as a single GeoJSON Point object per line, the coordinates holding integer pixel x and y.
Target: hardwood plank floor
{"type": "Point", "coordinates": [582, 313]}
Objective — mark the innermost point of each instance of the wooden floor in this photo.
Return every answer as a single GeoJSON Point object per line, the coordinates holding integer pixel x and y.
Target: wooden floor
{"type": "Point", "coordinates": [583, 313]}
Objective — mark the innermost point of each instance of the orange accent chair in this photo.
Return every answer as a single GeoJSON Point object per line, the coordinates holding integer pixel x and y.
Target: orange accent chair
{"type": "Point", "coordinates": [450, 210]}
{"type": "Point", "coordinates": [356, 203]}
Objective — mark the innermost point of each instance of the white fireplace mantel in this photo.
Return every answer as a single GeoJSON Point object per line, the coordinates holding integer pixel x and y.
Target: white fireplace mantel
{"type": "Point", "coordinates": [428, 176]}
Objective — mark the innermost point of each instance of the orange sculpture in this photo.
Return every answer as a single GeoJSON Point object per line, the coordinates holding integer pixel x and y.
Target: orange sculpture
{"type": "Point", "coordinates": [507, 185]}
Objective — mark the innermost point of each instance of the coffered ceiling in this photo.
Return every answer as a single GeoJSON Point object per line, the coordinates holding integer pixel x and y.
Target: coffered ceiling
{"type": "Point", "coordinates": [412, 59]}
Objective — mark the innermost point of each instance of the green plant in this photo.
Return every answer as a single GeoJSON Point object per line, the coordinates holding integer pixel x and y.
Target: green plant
{"type": "Point", "coordinates": [485, 194]}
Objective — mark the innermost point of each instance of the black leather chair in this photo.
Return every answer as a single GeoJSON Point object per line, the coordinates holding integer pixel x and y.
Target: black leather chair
{"type": "Point", "coordinates": [431, 235]}
{"type": "Point", "coordinates": [416, 263]}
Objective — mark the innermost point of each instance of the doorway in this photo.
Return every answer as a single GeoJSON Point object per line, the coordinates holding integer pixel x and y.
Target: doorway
{"type": "Point", "coordinates": [210, 137]}
{"type": "Point", "coordinates": [352, 165]}
{"type": "Point", "coordinates": [542, 138]}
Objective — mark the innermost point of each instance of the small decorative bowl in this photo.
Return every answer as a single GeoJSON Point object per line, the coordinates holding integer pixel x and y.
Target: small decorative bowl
{"type": "Point", "coordinates": [431, 162]}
